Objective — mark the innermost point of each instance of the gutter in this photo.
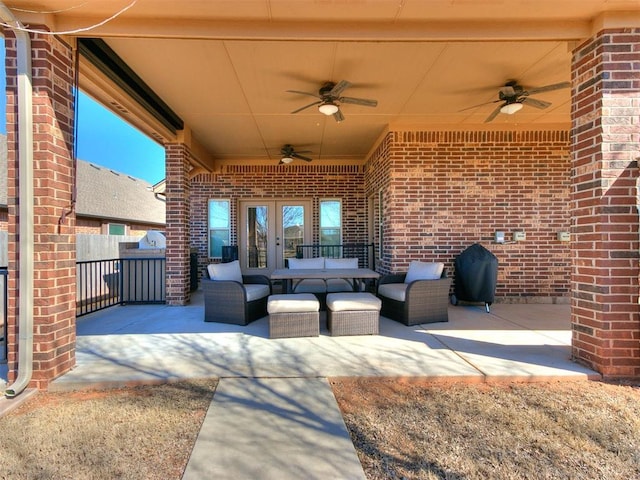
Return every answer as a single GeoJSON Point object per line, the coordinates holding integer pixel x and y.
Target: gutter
{"type": "Point", "coordinates": [25, 205]}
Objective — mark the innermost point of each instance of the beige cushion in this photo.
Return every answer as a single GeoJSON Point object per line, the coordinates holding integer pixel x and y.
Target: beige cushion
{"type": "Point", "coordinates": [341, 263]}
{"type": "Point", "coordinates": [339, 302]}
{"type": "Point", "coordinates": [394, 291]}
{"type": "Point", "coordinates": [293, 303]}
{"type": "Point", "coordinates": [225, 271]}
{"type": "Point", "coordinates": [310, 285]}
{"type": "Point", "coordinates": [424, 271]}
{"type": "Point", "coordinates": [256, 291]}
{"type": "Point", "coordinates": [306, 262]}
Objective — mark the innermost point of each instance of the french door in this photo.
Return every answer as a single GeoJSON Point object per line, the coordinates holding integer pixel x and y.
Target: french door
{"type": "Point", "coordinates": [269, 232]}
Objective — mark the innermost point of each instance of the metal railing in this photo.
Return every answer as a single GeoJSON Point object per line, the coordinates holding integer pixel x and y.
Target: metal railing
{"type": "Point", "coordinates": [106, 283]}
{"type": "Point", "coordinates": [97, 285]}
{"type": "Point", "coordinates": [364, 252]}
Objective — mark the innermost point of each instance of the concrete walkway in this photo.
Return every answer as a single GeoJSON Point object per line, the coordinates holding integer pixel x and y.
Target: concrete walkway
{"type": "Point", "coordinates": [273, 414]}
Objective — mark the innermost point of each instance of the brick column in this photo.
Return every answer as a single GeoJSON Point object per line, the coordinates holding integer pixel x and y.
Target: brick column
{"type": "Point", "coordinates": [54, 252]}
{"type": "Point", "coordinates": [605, 135]}
{"type": "Point", "coordinates": [177, 229]}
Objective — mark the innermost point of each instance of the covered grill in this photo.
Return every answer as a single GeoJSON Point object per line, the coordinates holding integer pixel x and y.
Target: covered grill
{"type": "Point", "coordinates": [476, 276]}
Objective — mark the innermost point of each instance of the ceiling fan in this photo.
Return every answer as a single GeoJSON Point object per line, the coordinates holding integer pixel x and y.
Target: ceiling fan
{"type": "Point", "coordinates": [329, 99]}
{"type": "Point", "coordinates": [289, 154]}
{"type": "Point", "coordinates": [514, 96]}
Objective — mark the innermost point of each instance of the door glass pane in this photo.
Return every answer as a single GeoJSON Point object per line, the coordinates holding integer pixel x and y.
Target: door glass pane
{"type": "Point", "coordinates": [257, 237]}
{"type": "Point", "coordinates": [292, 229]}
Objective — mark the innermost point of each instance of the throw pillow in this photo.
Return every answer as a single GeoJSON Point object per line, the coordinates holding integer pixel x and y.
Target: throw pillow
{"type": "Point", "coordinates": [306, 262]}
{"type": "Point", "coordinates": [225, 271]}
{"type": "Point", "coordinates": [424, 271]}
{"type": "Point", "coordinates": [341, 263]}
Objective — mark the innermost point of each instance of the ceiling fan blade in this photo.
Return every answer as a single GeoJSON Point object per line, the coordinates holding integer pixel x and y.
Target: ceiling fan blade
{"type": "Point", "coordinates": [338, 116]}
{"type": "Point", "coordinates": [301, 157]}
{"type": "Point", "coordinates": [366, 102]}
{"type": "Point", "coordinates": [339, 87]}
{"type": "Point", "coordinates": [493, 114]}
{"type": "Point", "coordinates": [304, 93]}
{"type": "Point", "coordinates": [549, 88]}
{"type": "Point", "coordinates": [307, 106]}
{"type": "Point", "coordinates": [479, 105]}
{"type": "Point", "coordinates": [535, 103]}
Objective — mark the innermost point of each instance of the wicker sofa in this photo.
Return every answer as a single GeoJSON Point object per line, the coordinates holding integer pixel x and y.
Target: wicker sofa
{"type": "Point", "coordinates": [412, 300]}
{"type": "Point", "coordinates": [230, 297]}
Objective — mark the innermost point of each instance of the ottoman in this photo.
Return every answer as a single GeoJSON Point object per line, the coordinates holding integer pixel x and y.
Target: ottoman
{"type": "Point", "coordinates": [356, 313]}
{"type": "Point", "coordinates": [293, 315]}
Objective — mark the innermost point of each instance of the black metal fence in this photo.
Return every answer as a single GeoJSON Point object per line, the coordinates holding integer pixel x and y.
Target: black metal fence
{"type": "Point", "coordinates": [364, 252]}
{"type": "Point", "coordinates": [105, 283]}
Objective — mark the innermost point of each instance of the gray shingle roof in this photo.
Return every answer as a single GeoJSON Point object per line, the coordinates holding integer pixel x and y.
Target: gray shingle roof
{"type": "Point", "coordinates": [104, 193]}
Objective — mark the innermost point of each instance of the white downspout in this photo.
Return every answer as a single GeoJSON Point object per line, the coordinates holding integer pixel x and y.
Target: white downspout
{"type": "Point", "coordinates": [25, 205]}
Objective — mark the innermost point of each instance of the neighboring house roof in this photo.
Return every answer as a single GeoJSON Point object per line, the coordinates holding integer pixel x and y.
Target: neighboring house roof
{"type": "Point", "coordinates": [108, 194]}
{"type": "Point", "coordinates": [104, 193]}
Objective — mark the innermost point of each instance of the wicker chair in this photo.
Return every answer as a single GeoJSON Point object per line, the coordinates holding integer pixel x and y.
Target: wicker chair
{"type": "Point", "coordinates": [227, 300]}
{"type": "Point", "coordinates": [425, 301]}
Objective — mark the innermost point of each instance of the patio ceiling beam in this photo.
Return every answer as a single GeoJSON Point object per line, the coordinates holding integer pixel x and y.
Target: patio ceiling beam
{"type": "Point", "coordinates": [439, 30]}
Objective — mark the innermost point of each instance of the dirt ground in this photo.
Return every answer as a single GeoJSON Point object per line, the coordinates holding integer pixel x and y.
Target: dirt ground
{"type": "Point", "coordinates": [402, 429]}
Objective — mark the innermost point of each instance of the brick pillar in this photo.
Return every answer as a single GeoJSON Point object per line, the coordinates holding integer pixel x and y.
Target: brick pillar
{"type": "Point", "coordinates": [54, 252]}
{"type": "Point", "coordinates": [605, 136]}
{"type": "Point", "coordinates": [177, 229]}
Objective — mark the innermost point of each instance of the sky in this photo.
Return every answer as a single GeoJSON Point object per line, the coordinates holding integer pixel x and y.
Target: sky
{"type": "Point", "coordinates": [105, 139]}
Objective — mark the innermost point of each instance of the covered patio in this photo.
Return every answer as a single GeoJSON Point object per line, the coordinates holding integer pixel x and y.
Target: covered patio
{"type": "Point", "coordinates": [136, 344]}
{"type": "Point", "coordinates": [434, 166]}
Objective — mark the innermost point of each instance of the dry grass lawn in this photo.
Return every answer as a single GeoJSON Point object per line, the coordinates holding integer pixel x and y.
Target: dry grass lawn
{"type": "Point", "coordinates": [575, 430]}
{"type": "Point", "coordinates": [132, 433]}
{"type": "Point", "coordinates": [401, 430]}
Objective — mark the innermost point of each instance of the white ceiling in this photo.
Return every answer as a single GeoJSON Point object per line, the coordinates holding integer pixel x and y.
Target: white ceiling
{"type": "Point", "coordinates": [224, 66]}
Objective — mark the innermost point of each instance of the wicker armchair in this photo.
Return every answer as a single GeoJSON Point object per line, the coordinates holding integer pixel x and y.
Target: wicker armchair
{"type": "Point", "coordinates": [425, 301]}
{"type": "Point", "coordinates": [225, 301]}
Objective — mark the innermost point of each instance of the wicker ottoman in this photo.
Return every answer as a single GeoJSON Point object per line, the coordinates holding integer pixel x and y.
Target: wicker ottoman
{"type": "Point", "coordinates": [355, 313]}
{"type": "Point", "coordinates": [293, 315]}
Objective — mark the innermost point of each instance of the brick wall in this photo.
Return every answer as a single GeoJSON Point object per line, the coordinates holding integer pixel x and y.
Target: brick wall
{"type": "Point", "coordinates": [177, 228]}
{"type": "Point", "coordinates": [96, 226]}
{"type": "Point", "coordinates": [605, 143]}
{"type": "Point", "coordinates": [443, 191]}
{"type": "Point", "coordinates": [313, 181]}
{"type": "Point", "coordinates": [54, 222]}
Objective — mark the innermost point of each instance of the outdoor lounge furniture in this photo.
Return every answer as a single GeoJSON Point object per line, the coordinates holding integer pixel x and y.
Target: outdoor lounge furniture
{"type": "Point", "coordinates": [419, 296]}
{"type": "Point", "coordinates": [293, 315]}
{"type": "Point", "coordinates": [230, 297]}
{"type": "Point", "coordinates": [353, 313]}
{"type": "Point", "coordinates": [321, 286]}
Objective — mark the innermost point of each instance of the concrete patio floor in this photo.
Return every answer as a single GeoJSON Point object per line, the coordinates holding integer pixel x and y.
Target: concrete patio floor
{"type": "Point", "coordinates": [141, 343]}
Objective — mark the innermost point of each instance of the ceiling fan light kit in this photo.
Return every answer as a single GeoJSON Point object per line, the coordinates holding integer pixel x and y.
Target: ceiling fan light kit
{"type": "Point", "coordinates": [329, 98]}
{"type": "Point", "coordinates": [511, 108]}
{"type": "Point", "coordinates": [289, 154]}
{"type": "Point", "coordinates": [328, 108]}
{"type": "Point", "coordinates": [514, 96]}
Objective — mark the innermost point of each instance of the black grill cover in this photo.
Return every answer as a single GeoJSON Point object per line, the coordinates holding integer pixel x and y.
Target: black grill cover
{"type": "Point", "coordinates": [476, 275]}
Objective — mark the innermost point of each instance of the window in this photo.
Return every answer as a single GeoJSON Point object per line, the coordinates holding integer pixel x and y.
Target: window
{"type": "Point", "coordinates": [116, 229]}
{"type": "Point", "coordinates": [219, 227]}
{"type": "Point", "coordinates": [330, 222]}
